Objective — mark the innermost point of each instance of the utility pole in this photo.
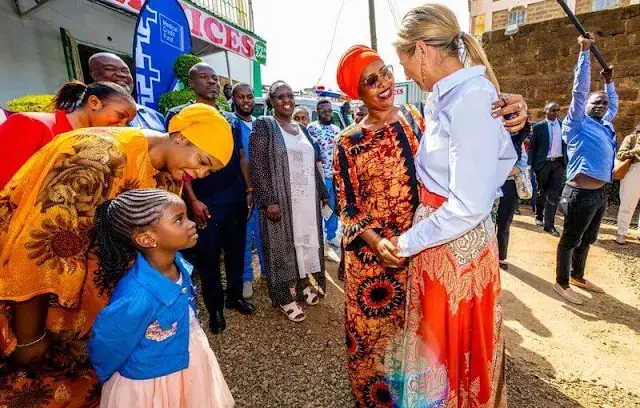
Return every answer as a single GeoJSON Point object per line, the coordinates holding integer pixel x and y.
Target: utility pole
{"type": "Point", "coordinates": [372, 25]}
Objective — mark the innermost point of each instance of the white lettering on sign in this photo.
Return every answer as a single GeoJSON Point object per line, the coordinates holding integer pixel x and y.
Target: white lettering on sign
{"type": "Point", "coordinates": [209, 28]}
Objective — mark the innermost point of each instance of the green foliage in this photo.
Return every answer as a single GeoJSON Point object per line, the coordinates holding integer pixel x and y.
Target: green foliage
{"type": "Point", "coordinates": [183, 64]}
{"type": "Point", "coordinates": [181, 68]}
{"type": "Point", "coordinates": [222, 103]}
{"type": "Point", "coordinates": [31, 103]}
{"type": "Point", "coordinates": [176, 98]}
{"type": "Point", "coordinates": [172, 99]}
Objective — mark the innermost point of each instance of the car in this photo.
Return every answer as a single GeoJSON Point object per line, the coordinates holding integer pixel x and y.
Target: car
{"type": "Point", "coordinates": [309, 104]}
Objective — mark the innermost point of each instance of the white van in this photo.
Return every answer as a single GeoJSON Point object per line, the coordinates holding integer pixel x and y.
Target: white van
{"type": "Point", "coordinates": [309, 104]}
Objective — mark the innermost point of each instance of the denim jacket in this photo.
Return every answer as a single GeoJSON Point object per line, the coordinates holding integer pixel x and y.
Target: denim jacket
{"type": "Point", "coordinates": [143, 332]}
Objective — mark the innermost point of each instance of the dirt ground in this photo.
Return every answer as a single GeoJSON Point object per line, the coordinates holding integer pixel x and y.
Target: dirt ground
{"type": "Point", "coordinates": [559, 355]}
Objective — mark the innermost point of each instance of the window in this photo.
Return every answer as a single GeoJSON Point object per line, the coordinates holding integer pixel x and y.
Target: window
{"type": "Point", "coordinates": [604, 4]}
{"type": "Point", "coordinates": [517, 16]}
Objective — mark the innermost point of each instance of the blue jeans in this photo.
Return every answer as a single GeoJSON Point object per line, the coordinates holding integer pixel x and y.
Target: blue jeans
{"type": "Point", "coordinates": [331, 225]}
{"type": "Point", "coordinates": [253, 239]}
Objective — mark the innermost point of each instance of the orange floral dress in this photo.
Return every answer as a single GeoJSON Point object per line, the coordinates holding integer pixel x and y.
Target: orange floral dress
{"type": "Point", "coordinates": [376, 188]}
{"type": "Point", "coordinates": [46, 228]}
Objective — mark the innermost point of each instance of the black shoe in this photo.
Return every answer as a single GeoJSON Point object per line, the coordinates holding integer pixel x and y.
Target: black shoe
{"type": "Point", "coordinates": [241, 306]}
{"type": "Point", "coordinates": [553, 231]}
{"type": "Point", "coordinates": [217, 324]}
{"type": "Point", "coordinates": [504, 265]}
{"type": "Point", "coordinates": [539, 223]}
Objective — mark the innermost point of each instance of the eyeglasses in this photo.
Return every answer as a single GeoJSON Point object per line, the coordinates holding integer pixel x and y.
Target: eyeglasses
{"type": "Point", "coordinates": [372, 80]}
{"type": "Point", "coordinates": [284, 96]}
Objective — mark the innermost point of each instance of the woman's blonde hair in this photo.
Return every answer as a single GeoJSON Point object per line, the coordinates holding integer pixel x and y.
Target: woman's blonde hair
{"type": "Point", "coordinates": [437, 26]}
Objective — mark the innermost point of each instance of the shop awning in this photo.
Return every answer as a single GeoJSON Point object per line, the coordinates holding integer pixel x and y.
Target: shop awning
{"type": "Point", "coordinates": [212, 29]}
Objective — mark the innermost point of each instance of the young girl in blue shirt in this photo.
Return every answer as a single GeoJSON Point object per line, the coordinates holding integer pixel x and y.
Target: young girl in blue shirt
{"type": "Point", "coordinates": [147, 346]}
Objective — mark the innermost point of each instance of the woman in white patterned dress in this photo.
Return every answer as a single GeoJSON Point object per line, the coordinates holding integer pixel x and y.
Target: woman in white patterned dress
{"type": "Point", "coordinates": [289, 190]}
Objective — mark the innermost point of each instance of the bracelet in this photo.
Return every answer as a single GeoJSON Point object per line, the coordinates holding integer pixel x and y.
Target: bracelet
{"type": "Point", "coordinates": [250, 190]}
{"type": "Point", "coordinates": [31, 343]}
{"type": "Point", "coordinates": [376, 240]}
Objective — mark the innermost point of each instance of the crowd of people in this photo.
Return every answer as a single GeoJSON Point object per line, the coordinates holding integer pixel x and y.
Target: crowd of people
{"type": "Point", "coordinates": [106, 205]}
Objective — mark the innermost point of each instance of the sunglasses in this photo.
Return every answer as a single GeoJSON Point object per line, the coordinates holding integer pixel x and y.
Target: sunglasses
{"type": "Point", "coordinates": [284, 96]}
{"type": "Point", "coordinates": [372, 79]}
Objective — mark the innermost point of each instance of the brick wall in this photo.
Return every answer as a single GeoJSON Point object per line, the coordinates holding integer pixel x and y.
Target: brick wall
{"type": "Point", "coordinates": [538, 61]}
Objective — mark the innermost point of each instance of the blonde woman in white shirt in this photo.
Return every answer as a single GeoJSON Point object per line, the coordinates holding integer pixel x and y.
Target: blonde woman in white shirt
{"type": "Point", "coordinates": [453, 328]}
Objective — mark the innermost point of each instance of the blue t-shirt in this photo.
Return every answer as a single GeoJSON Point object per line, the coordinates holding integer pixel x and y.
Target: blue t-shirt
{"type": "Point", "coordinates": [225, 186]}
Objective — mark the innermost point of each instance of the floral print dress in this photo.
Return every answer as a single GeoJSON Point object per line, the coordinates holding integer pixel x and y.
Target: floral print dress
{"type": "Point", "coordinates": [46, 228]}
{"type": "Point", "coordinates": [376, 188]}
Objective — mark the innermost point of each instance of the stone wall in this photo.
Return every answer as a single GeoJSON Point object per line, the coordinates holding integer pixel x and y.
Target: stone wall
{"type": "Point", "coordinates": [538, 61]}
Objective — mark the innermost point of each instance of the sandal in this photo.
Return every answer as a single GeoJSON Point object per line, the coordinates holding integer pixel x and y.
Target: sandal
{"type": "Point", "coordinates": [310, 296]}
{"type": "Point", "coordinates": [293, 312]}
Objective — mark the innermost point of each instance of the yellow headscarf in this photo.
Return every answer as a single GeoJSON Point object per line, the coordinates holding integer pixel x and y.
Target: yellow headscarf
{"type": "Point", "coordinates": [206, 128]}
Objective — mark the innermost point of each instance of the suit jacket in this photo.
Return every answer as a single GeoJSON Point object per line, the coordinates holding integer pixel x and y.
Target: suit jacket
{"type": "Point", "coordinates": [539, 146]}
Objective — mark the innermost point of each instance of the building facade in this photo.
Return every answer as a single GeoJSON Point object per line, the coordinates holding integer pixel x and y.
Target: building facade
{"type": "Point", "coordinates": [48, 42]}
{"type": "Point", "coordinates": [490, 15]}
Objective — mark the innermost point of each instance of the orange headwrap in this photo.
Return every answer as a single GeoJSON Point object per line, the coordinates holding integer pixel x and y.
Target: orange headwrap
{"type": "Point", "coordinates": [351, 66]}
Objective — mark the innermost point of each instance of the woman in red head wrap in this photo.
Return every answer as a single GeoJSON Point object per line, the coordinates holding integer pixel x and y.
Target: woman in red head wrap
{"type": "Point", "coordinates": [378, 193]}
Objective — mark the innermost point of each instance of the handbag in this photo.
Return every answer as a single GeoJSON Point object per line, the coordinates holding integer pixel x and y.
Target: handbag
{"type": "Point", "coordinates": [524, 188]}
{"type": "Point", "coordinates": [620, 168]}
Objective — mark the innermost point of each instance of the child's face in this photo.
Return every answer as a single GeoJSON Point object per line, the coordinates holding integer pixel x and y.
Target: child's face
{"type": "Point", "coordinates": [174, 231]}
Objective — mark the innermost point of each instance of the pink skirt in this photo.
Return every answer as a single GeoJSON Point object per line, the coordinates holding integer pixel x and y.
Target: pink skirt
{"type": "Point", "coordinates": [199, 385]}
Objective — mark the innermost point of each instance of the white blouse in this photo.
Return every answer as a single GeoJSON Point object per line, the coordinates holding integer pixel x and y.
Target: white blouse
{"type": "Point", "coordinates": [465, 155]}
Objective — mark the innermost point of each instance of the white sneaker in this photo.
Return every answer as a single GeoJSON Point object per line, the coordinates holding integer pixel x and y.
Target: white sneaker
{"type": "Point", "coordinates": [568, 294]}
{"type": "Point", "coordinates": [247, 290]}
{"type": "Point", "coordinates": [331, 255]}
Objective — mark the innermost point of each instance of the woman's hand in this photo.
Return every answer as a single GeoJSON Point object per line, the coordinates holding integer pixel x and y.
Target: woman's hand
{"type": "Point", "coordinates": [200, 213]}
{"type": "Point", "coordinates": [273, 212]}
{"type": "Point", "coordinates": [387, 252]}
{"type": "Point", "coordinates": [509, 104]}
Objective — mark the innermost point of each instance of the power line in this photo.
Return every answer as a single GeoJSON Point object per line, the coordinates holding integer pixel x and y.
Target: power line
{"type": "Point", "coordinates": [335, 30]}
{"type": "Point", "coordinates": [394, 13]}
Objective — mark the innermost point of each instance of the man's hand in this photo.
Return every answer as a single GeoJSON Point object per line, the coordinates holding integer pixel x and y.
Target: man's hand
{"type": "Point", "coordinates": [607, 74]}
{"type": "Point", "coordinates": [586, 43]}
{"type": "Point", "coordinates": [511, 104]}
{"type": "Point", "coordinates": [200, 213]}
{"type": "Point", "coordinates": [249, 203]}
{"type": "Point", "coordinates": [273, 212]}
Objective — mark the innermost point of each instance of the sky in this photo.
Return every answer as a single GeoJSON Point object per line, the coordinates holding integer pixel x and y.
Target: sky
{"type": "Point", "coordinates": [298, 44]}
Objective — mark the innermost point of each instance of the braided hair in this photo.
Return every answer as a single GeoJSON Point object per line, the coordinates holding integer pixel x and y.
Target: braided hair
{"type": "Point", "coordinates": [116, 221]}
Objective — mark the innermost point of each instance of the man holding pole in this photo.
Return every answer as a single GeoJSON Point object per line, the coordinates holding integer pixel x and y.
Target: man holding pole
{"type": "Point", "coordinates": [591, 145]}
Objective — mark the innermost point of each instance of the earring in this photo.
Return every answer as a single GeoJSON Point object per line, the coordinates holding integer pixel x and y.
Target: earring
{"type": "Point", "coordinates": [155, 245]}
{"type": "Point", "coordinates": [423, 71]}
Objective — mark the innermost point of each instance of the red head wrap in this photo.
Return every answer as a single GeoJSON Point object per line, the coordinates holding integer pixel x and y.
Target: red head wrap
{"type": "Point", "coordinates": [351, 66]}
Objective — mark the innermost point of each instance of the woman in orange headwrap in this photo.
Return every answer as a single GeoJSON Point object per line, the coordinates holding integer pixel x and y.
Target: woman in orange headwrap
{"type": "Point", "coordinates": [48, 297]}
{"type": "Point", "coordinates": [378, 195]}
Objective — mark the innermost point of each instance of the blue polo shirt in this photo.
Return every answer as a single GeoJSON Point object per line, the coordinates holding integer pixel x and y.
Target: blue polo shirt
{"type": "Point", "coordinates": [225, 186]}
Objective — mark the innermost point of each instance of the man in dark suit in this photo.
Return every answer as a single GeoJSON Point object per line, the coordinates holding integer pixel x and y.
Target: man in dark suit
{"type": "Point", "coordinates": [547, 157]}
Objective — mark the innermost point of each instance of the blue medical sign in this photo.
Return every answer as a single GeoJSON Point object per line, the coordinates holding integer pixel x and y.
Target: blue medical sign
{"type": "Point", "coordinates": [162, 34]}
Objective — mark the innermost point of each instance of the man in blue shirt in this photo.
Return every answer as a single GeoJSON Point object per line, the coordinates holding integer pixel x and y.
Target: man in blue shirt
{"type": "Point", "coordinates": [244, 102]}
{"type": "Point", "coordinates": [108, 67]}
{"type": "Point", "coordinates": [591, 146]}
{"type": "Point", "coordinates": [220, 204]}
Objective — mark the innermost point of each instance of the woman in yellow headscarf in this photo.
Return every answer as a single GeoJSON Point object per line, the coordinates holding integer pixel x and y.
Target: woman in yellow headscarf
{"type": "Point", "coordinates": [48, 298]}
